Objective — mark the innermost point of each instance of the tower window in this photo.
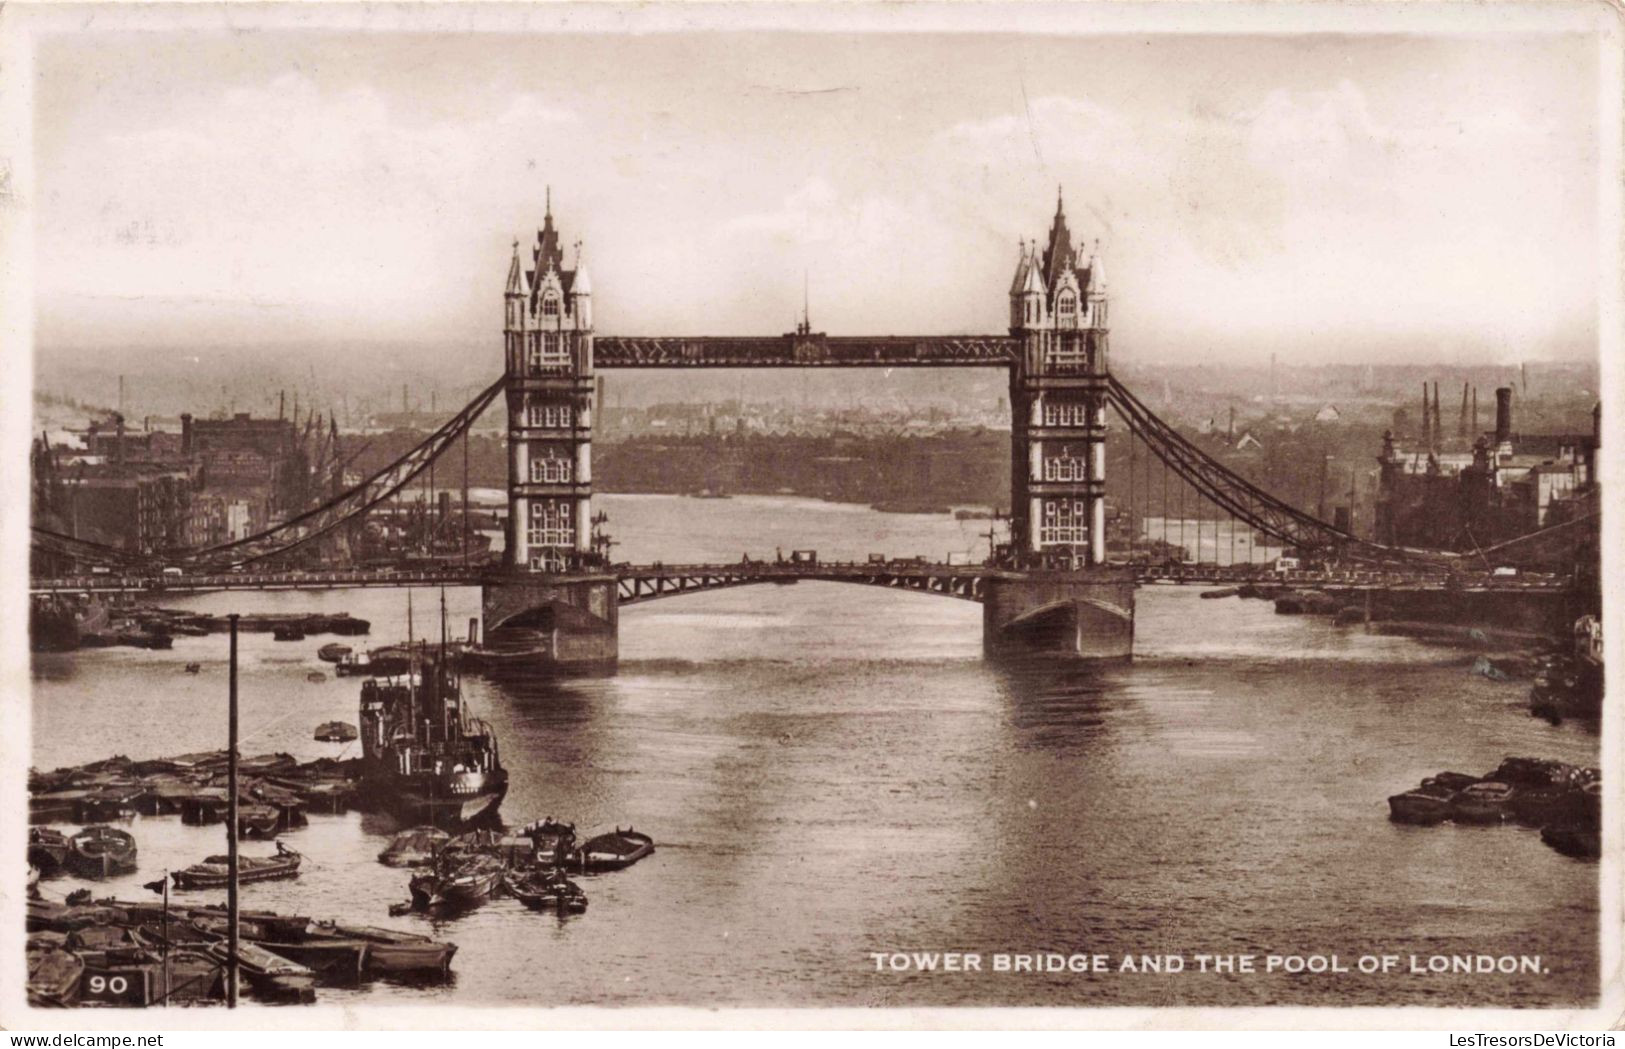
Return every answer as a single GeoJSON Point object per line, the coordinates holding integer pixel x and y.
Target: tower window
{"type": "Point", "coordinates": [550, 416]}
{"type": "Point", "coordinates": [1065, 413]}
{"type": "Point", "coordinates": [1065, 468]}
{"type": "Point", "coordinates": [1066, 307]}
{"type": "Point", "coordinates": [551, 469]}
{"type": "Point", "coordinates": [552, 523]}
{"type": "Point", "coordinates": [548, 354]}
{"type": "Point", "coordinates": [550, 305]}
{"type": "Point", "coordinates": [1066, 522]}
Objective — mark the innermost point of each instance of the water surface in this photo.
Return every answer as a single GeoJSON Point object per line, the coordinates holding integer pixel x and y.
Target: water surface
{"type": "Point", "coordinates": [831, 770]}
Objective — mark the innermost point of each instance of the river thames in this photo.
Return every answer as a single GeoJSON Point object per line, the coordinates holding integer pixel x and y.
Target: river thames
{"type": "Point", "coordinates": [831, 771]}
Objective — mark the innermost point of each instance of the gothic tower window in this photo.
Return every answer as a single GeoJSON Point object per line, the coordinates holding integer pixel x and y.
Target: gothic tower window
{"type": "Point", "coordinates": [1066, 308]}
{"type": "Point", "coordinates": [551, 523]}
{"type": "Point", "coordinates": [551, 416]}
{"type": "Point", "coordinates": [551, 469]}
{"type": "Point", "coordinates": [1065, 413]}
{"type": "Point", "coordinates": [1066, 521]}
{"type": "Point", "coordinates": [550, 305]}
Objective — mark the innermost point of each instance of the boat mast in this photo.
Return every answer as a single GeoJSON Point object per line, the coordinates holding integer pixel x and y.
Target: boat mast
{"type": "Point", "coordinates": [411, 668]}
{"type": "Point", "coordinates": [232, 961]}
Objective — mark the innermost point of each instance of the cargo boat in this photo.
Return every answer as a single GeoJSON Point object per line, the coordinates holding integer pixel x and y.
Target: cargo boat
{"type": "Point", "coordinates": [392, 952]}
{"type": "Point", "coordinates": [270, 975]}
{"type": "Point", "coordinates": [47, 850]}
{"type": "Point", "coordinates": [457, 882]}
{"type": "Point", "coordinates": [215, 872]}
{"type": "Point", "coordinates": [422, 756]}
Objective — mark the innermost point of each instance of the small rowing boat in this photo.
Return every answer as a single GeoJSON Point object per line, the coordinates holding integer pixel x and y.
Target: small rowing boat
{"type": "Point", "coordinates": [333, 652]}
{"type": "Point", "coordinates": [545, 890]}
{"type": "Point", "coordinates": [615, 851]}
{"type": "Point", "coordinates": [414, 847]}
{"type": "Point", "coordinates": [258, 821]}
{"type": "Point", "coordinates": [101, 852]}
{"type": "Point", "coordinates": [335, 732]}
{"type": "Point", "coordinates": [1487, 802]}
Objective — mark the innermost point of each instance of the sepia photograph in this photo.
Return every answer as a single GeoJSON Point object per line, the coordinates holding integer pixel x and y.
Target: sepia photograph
{"type": "Point", "coordinates": [856, 508]}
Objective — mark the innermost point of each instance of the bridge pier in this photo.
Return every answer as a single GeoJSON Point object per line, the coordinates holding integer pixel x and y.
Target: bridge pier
{"type": "Point", "coordinates": [553, 623]}
{"type": "Point", "coordinates": [1085, 614]}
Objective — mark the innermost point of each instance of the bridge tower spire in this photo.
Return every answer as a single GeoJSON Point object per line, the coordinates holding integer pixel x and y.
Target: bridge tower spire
{"type": "Point", "coordinates": [1058, 404]}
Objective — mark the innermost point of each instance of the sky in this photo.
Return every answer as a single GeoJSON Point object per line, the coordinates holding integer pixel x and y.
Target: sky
{"type": "Point", "coordinates": [1326, 197]}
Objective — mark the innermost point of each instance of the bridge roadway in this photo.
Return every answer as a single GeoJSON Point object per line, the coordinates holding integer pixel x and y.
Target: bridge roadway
{"type": "Point", "coordinates": [638, 583]}
{"type": "Point", "coordinates": [806, 350]}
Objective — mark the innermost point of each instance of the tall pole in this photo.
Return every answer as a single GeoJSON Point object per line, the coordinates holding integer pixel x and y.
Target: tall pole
{"type": "Point", "coordinates": [465, 495]}
{"type": "Point", "coordinates": [231, 828]}
{"type": "Point", "coordinates": [167, 988]}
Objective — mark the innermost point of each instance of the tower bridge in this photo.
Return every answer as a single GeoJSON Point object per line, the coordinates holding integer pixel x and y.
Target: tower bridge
{"type": "Point", "coordinates": [1055, 353]}
{"type": "Point", "coordinates": [554, 599]}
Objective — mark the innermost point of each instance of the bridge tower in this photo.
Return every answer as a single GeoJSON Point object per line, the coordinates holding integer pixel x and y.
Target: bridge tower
{"type": "Point", "coordinates": [1069, 601]}
{"type": "Point", "coordinates": [1058, 404]}
{"type": "Point", "coordinates": [555, 600]}
{"type": "Point", "coordinates": [547, 335]}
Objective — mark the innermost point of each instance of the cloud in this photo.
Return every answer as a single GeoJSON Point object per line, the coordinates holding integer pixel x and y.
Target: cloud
{"type": "Point", "coordinates": [1285, 207]}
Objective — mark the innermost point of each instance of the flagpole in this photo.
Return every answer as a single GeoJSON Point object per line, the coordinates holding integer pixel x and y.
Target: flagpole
{"type": "Point", "coordinates": [231, 829]}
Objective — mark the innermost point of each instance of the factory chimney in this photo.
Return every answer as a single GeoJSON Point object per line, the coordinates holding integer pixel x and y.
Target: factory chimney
{"type": "Point", "coordinates": [1427, 439]}
{"type": "Point", "coordinates": [1596, 445]}
{"type": "Point", "coordinates": [1461, 418]}
{"type": "Point", "coordinates": [1503, 415]}
{"type": "Point", "coordinates": [1438, 417]}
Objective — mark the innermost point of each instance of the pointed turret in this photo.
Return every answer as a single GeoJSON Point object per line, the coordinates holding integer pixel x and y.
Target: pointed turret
{"type": "Point", "coordinates": [1097, 272]}
{"type": "Point", "coordinates": [514, 297]}
{"type": "Point", "coordinates": [516, 274]}
{"type": "Point", "coordinates": [582, 284]}
{"type": "Point", "coordinates": [1035, 284]}
{"type": "Point", "coordinates": [581, 292]}
{"type": "Point", "coordinates": [549, 252]}
{"type": "Point", "coordinates": [1058, 253]}
{"type": "Point", "coordinates": [1020, 280]}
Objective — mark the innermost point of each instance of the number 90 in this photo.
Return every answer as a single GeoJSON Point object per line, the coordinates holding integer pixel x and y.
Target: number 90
{"type": "Point", "coordinates": [108, 985]}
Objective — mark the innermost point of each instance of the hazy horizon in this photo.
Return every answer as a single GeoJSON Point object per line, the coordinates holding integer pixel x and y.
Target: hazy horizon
{"type": "Point", "coordinates": [1317, 197]}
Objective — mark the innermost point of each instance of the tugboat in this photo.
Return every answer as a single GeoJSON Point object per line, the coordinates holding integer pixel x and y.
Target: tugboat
{"type": "Point", "coordinates": [422, 755]}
